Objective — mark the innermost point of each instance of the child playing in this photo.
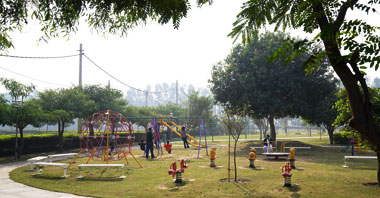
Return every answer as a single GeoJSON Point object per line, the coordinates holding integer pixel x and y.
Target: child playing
{"type": "Point", "coordinates": [168, 147]}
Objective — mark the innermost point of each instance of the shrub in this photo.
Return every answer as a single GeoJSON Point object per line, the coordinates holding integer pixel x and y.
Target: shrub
{"type": "Point", "coordinates": [344, 137]}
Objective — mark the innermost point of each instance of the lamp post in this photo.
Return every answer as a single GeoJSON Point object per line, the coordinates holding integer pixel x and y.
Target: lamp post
{"type": "Point", "coordinates": [17, 104]}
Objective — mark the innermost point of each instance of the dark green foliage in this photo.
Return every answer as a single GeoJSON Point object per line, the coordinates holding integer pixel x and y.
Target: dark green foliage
{"type": "Point", "coordinates": [37, 143]}
{"type": "Point", "coordinates": [59, 17]}
{"type": "Point", "coordinates": [105, 98]}
{"type": "Point", "coordinates": [269, 89]}
{"type": "Point", "coordinates": [344, 137]}
{"type": "Point", "coordinates": [43, 143]}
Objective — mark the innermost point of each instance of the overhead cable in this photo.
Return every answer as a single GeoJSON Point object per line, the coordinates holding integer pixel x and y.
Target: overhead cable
{"type": "Point", "coordinates": [121, 82]}
{"type": "Point", "coordinates": [33, 78]}
{"type": "Point", "coordinates": [38, 57]}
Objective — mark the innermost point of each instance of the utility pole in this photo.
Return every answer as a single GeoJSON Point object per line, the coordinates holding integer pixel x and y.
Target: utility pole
{"type": "Point", "coordinates": [80, 65]}
{"type": "Point", "coordinates": [80, 81]}
{"type": "Point", "coordinates": [146, 98]}
{"type": "Point", "coordinates": [176, 92]}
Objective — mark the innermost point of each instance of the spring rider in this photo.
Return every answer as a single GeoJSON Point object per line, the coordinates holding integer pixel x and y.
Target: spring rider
{"type": "Point", "coordinates": [252, 158]}
{"type": "Point", "coordinates": [212, 157]}
{"type": "Point", "coordinates": [177, 172]}
{"type": "Point", "coordinates": [286, 174]}
{"type": "Point", "coordinates": [292, 158]}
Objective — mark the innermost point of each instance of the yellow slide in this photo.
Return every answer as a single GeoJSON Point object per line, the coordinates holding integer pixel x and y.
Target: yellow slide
{"type": "Point", "coordinates": [175, 131]}
{"type": "Point", "coordinates": [191, 137]}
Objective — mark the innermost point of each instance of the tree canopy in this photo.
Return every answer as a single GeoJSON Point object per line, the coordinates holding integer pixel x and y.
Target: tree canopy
{"type": "Point", "coordinates": [351, 45]}
{"type": "Point", "coordinates": [271, 90]}
{"type": "Point", "coordinates": [58, 17]}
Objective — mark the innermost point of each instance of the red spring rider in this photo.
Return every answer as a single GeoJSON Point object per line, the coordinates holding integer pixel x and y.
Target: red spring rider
{"type": "Point", "coordinates": [286, 174]}
{"type": "Point", "coordinates": [177, 172]}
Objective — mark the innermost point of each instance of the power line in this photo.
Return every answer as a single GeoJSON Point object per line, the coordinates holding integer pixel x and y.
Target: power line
{"type": "Point", "coordinates": [33, 78]}
{"type": "Point", "coordinates": [122, 81]}
{"type": "Point", "coordinates": [38, 57]}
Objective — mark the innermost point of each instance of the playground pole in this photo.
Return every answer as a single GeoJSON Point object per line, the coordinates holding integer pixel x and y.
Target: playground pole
{"type": "Point", "coordinates": [200, 138]}
{"type": "Point", "coordinates": [108, 120]}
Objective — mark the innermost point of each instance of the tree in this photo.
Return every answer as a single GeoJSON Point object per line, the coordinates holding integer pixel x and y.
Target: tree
{"type": "Point", "coordinates": [64, 105]}
{"type": "Point", "coordinates": [323, 113]}
{"type": "Point", "coordinates": [199, 106]}
{"type": "Point", "coordinates": [271, 90]}
{"type": "Point", "coordinates": [234, 122]}
{"type": "Point", "coordinates": [351, 45]}
{"type": "Point", "coordinates": [105, 98]}
{"type": "Point", "coordinates": [342, 105]}
{"type": "Point", "coordinates": [18, 92]}
{"type": "Point", "coordinates": [263, 125]}
{"type": "Point", "coordinates": [3, 110]}
{"type": "Point", "coordinates": [30, 113]}
{"type": "Point", "coordinates": [170, 109]}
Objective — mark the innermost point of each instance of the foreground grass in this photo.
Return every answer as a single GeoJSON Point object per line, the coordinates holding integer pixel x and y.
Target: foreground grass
{"type": "Point", "coordinates": [319, 173]}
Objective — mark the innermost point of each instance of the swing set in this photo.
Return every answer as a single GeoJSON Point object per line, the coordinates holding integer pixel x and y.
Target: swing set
{"type": "Point", "coordinates": [159, 122]}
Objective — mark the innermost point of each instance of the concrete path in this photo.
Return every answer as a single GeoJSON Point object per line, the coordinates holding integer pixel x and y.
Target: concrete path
{"type": "Point", "coordinates": [11, 189]}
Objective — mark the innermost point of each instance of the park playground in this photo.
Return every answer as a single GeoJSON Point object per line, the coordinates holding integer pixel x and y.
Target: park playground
{"type": "Point", "coordinates": [319, 173]}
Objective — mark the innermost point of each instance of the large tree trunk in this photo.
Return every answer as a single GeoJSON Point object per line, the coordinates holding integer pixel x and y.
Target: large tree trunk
{"type": "Point", "coordinates": [378, 166]}
{"type": "Point", "coordinates": [330, 131]}
{"type": "Point", "coordinates": [360, 104]}
{"type": "Point", "coordinates": [272, 127]}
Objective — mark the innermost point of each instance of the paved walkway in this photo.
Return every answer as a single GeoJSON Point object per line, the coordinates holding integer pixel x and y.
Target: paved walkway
{"type": "Point", "coordinates": [11, 189]}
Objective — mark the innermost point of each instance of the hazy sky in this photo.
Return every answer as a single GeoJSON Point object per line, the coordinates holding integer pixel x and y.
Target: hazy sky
{"type": "Point", "coordinates": [148, 55]}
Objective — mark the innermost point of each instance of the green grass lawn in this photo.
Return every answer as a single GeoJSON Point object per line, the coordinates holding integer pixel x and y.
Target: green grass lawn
{"type": "Point", "coordinates": [319, 173]}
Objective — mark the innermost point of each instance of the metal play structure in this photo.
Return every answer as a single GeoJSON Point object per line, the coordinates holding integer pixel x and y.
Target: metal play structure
{"type": "Point", "coordinates": [159, 121]}
{"type": "Point", "coordinates": [106, 136]}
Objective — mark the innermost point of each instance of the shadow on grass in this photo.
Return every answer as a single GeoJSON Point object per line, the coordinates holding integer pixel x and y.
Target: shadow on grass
{"type": "Point", "coordinates": [42, 177]}
{"type": "Point", "coordinates": [276, 159]}
{"type": "Point", "coordinates": [294, 188]}
{"type": "Point", "coordinates": [363, 168]}
{"type": "Point", "coordinates": [102, 179]}
{"type": "Point", "coordinates": [176, 186]}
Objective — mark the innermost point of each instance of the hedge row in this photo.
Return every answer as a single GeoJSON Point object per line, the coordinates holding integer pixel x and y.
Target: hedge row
{"type": "Point", "coordinates": [41, 143]}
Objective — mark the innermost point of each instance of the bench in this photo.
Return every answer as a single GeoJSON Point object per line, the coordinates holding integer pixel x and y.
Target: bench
{"type": "Point", "coordinates": [356, 157]}
{"type": "Point", "coordinates": [61, 156]}
{"type": "Point", "coordinates": [274, 154]}
{"type": "Point", "coordinates": [102, 165]}
{"type": "Point", "coordinates": [63, 165]}
{"type": "Point", "coordinates": [33, 160]}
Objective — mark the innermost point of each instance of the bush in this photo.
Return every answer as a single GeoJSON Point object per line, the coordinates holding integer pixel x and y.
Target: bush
{"type": "Point", "coordinates": [39, 143]}
{"type": "Point", "coordinates": [344, 137]}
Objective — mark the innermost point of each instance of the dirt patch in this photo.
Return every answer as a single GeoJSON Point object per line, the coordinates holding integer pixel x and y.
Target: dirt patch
{"type": "Point", "coordinates": [166, 156]}
{"type": "Point", "coordinates": [163, 187]}
{"type": "Point", "coordinates": [239, 180]}
{"type": "Point", "coordinates": [188, 158]}
{"type": "Point", "coordinates": [374, 184]}
{"type": "Point", "coordinates": [277, 190]}
{"type": "Point", "coordinates": [191, 180]}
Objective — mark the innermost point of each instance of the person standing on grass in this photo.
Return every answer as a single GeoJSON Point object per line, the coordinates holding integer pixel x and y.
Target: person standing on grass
{"type": "Point", "coordinates": [267, 144]}
{"type": "Point", "coordinates": [184, 137]}
{"type": "Point", "coordinates": [149, 143]}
